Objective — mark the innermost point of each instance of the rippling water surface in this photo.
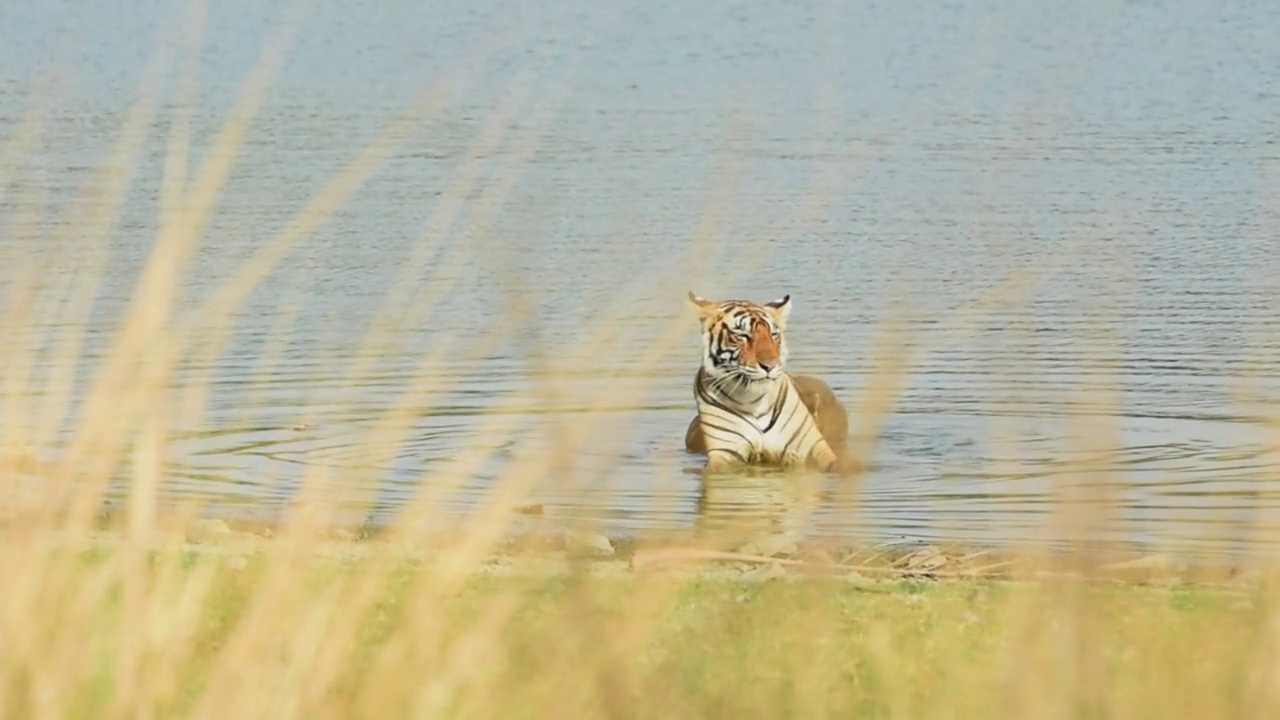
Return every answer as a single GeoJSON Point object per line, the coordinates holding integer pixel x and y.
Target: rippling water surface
{"type": "Point", "coordinates": [1070, 209]}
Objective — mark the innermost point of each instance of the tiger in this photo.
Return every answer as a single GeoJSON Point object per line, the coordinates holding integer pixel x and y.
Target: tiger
{"type": "Point", "coordinates": [750, 409]}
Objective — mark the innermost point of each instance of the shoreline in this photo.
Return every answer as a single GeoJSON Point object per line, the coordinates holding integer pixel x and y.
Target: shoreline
{"type": "Point", "coordinates": [562, 550]}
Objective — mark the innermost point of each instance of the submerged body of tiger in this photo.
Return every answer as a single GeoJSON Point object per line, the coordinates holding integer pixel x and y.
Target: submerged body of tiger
{"type": "Point", "coordinates": [750, 411]}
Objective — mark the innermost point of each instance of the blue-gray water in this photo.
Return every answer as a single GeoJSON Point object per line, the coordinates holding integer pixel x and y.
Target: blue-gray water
{"type": "Point", "coordinates": [1051, 196]}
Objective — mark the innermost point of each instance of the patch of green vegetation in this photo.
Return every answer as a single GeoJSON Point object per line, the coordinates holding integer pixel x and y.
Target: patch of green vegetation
{"type": "Point", "coordinates": [363, 637]}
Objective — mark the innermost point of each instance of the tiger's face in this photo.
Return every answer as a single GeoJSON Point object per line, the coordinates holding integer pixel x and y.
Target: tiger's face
{"type": "Point", "coordinates": [743, 340]}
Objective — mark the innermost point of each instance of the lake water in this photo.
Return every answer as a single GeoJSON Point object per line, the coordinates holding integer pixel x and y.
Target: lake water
{"type": "Point", "coordinates": [1051, 198]}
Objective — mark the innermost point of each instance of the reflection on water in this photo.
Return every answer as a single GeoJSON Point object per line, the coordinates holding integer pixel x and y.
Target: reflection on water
{"type": "Point", "coordinates": [1053, 201]}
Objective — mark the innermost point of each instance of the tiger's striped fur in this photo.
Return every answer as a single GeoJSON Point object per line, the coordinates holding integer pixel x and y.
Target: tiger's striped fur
{"type": "Point", "coordinates": [748, 406]}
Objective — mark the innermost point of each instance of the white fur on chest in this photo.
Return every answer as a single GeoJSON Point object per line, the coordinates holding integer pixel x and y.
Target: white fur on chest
{"type": "Point", "coordinates": [762, 438]}
{"type": "Point", "coordinates": [770, 446]}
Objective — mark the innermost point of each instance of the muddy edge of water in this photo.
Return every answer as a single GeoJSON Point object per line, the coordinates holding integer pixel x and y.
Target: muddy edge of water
{"type": "Point", "coordinates": [551, 550]}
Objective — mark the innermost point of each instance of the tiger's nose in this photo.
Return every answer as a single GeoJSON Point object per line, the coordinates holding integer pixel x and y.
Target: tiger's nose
{"type": "Point", "coordinates": [767, 366]}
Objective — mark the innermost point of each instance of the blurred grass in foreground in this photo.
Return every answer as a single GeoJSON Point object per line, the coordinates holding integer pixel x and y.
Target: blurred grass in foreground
{"type": "Point", "coordinates": [201, 636]}
{"type": "Point", "coordinates": [135, 623]}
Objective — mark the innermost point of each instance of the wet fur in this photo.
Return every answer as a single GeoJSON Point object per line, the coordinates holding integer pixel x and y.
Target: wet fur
{"type": "Point", "coordinates": [827, 410]}
{"type": "Point", "coordinates": [760, 412]}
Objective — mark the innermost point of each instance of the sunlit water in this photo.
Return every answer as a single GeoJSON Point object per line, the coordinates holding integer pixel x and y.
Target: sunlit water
{"type": "Point", "coordinates": [1054, 200]}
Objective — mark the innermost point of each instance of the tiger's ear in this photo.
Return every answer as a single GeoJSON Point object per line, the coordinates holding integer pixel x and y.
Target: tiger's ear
{"type": "Point", "coordinates": [780, 309]}
{"type": "Point", "coordinates": [705, 308]}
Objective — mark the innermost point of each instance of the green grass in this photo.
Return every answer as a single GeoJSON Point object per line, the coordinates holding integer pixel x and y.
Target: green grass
{"type": "Point", "coordinates": [643, 644]}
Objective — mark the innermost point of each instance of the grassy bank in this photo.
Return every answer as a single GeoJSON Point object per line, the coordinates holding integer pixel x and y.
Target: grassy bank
{"type": "Point", "coordinates": [284, 628]}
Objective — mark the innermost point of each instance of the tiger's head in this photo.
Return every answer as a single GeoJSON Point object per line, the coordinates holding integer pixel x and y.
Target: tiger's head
{"type": "Point", "coordinates": [743, 340]}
